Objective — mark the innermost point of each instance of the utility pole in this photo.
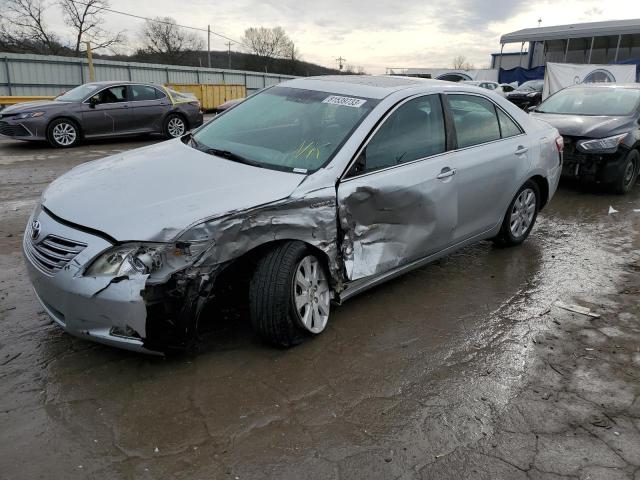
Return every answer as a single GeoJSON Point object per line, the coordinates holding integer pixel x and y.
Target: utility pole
{"type": "Point", "coordinates": [209, 46]}
{"type": "Point", "coordinates": [92, 75]}
{"type": "Point", "coordinates": [228, 44]}
{"type": "Point", "coordinates": [539, 22]}
{"type": "Point", "coordinates": [340, 61]}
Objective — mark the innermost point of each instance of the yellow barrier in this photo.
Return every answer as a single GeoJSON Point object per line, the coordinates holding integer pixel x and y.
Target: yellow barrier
{"type": "Point", "coordinates": [12, 100]}
{"type": "Point", "coordinates": [211, 95]}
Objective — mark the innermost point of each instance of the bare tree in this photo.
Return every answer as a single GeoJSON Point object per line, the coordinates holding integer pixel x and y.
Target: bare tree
{"type": "Point", "coordinates": [164, 37]}
{"type": "Point", "coordinates": [269, 43]}
{"type": "Point", "coordinates": [84, 18]}
{"type": "Point", "coordinates": [22, 23]}
{"type": "Point", "coordinates": [460, 63]}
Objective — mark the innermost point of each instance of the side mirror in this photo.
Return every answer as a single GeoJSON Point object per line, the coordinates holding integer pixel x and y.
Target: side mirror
{"type": "Point", "coordinates": [93, 101]}
{"type": "Point", "coordinates": [532, 108]}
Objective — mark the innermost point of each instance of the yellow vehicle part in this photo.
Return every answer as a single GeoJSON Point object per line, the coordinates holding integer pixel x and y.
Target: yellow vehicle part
{"type": "Point", "coordinates": [210, 95]}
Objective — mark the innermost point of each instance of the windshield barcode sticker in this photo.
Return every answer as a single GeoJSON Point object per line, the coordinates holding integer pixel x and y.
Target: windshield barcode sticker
{"type": "Point", "coordinates": [344, 101]}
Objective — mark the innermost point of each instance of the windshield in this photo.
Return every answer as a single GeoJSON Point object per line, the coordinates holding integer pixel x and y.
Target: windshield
{"type": "Point", "coordinates": [592, 101]}
{"type": "Point", "coordinates": [79, 93]}
{"type": "Point", "coordinates": [285, 128]}
{"type": "Point", "coordinates": [531, 85]}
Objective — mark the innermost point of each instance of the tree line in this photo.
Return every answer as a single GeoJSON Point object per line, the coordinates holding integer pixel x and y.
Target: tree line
{"type": "Point", "coordinates": [24, 28]}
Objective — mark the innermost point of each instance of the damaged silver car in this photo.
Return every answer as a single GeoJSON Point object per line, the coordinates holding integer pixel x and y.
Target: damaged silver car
{"type": "Point", "coordinates": [316, 189]}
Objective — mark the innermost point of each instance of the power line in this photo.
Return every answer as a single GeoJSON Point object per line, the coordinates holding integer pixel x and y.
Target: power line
{"type": "Point", "coordinates": [155, 20]}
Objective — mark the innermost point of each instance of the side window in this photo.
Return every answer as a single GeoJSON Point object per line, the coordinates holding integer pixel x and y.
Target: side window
{"type": "Point", "coordinates": [111, 95]}
{"type": "Point", "coordinates": [415, 130]}
{"type": "Point", "coordinates": [160, 94]}
{"type": "Point", "coordinates": [142, 92]}
{"type": "Point", "coordinates": [475, 120]}
{"type": "Point", "coordinates": [508, 127]}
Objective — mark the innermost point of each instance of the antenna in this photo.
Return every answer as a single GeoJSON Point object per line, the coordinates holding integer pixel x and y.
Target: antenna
{"type": "Point", "coordinates": [340, 61]}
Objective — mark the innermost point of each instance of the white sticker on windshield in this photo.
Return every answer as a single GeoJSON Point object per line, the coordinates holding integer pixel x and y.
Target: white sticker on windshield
{"type": "Point", "coordinates": [344, 101]}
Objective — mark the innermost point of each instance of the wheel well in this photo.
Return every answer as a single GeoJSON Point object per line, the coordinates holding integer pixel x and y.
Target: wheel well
{"type": "Point", "coordinates": [71, 119]}
{"type": "Point", "coordinates": [243, 266]}
{"type": "Point", "coordinates": [543, 186]}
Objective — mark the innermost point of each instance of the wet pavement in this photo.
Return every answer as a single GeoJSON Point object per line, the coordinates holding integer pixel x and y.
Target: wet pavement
{"type": "Point", "coordinates": [462, 369]}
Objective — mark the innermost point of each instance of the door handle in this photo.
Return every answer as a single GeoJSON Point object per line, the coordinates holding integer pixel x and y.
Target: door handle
{"type": "Point", "coordinates": [521, 150]}
{"type": "Point", "coordinates": [446, 172]}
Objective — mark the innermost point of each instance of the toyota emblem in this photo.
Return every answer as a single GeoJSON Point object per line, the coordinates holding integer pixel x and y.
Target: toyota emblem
{"type": "Point", "coordinates": [35, 229]}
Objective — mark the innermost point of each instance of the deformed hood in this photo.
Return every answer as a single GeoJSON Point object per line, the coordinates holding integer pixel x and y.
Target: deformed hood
{"type": "Point", "coordinates": [153, 193]}
{"type": "Point", "coordinates": [584, 125]}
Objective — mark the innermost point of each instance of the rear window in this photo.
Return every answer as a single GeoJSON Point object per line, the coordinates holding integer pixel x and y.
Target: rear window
{"type": "Point", "coordinates": [475, 120]}
{"type": "Point", "coordinates": [592, 101]}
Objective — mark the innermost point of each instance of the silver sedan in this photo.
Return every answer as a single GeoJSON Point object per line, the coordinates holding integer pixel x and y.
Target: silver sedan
{"type": "Point", "coordinates": [315, 190]}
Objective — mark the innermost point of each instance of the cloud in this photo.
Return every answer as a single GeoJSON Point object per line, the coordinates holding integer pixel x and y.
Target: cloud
{"type": "Point", "coordinates": [377, 33]}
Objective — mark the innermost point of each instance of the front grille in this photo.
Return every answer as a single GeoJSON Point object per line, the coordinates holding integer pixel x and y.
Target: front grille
{"type": "Point", "coordinates": [52, 253]}
{"type": "Point", "coordinates": [13, 130]}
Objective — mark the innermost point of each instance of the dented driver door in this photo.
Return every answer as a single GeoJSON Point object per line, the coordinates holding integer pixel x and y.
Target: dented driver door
{"type": "Point", "coordinates": [399, 201]}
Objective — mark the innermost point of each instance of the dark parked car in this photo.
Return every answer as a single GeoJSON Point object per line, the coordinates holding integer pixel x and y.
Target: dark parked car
{"type": "Point", "coordinates": [527, 95]}
{"type": "Point", "coordinates": [102, 109]}
{"type": "Point", "coordinates": [599, 124]}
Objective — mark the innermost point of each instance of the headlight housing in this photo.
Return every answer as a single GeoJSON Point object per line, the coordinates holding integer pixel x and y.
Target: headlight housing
{"type": "Point", "coordinates": [145, 258]}
{"type": "Point", "coordinates": [532, 94]}
{"type": "Point", "coordinates": [23, 116]}
{"type": "Point", "coordinates": [602, 145]}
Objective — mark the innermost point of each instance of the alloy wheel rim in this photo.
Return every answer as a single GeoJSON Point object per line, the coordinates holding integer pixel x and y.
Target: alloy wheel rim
{"type": "Point", "coordinates": [175, 127]}
{"type": "Point", "coordinates": [524, 208]}
{"type": "Point", "coordinates": [311, 295]}
{"type": "Point", "coordinates": [64, 134]}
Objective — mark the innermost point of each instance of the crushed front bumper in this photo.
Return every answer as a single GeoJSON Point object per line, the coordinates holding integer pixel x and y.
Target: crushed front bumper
{"type": "Point", "coordinates": [102, 309]}
{"type": "Point", "coordinates": [601, 168]}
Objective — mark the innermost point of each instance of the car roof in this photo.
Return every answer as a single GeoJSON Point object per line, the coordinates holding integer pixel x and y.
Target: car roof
{"type": "Point", "coordinates": [368, 86]}
{"type": "Point", "coordinates": [634, 86]}
{"type": "Point", "coordinates": [122, 82]}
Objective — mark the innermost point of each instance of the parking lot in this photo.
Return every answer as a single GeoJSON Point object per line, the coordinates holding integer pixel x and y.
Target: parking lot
{"type": "Point", "coordinates": [465, 368]}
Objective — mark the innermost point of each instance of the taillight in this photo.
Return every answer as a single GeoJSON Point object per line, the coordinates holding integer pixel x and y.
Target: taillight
{"type": "Point", "coordinates": [560, 144]}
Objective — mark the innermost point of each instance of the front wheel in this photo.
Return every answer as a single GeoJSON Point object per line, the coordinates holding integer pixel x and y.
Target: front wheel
{"type": "Point", "coordinates": [628, 174]}
{"type": "Point", "coordinates": [289, 296]}
{"type": "Point", "coordinates": [63, 133]}
{"type": "Point", "coordinates": [520, 217]}
{"type": "Point", "coordinates": [174, 126]}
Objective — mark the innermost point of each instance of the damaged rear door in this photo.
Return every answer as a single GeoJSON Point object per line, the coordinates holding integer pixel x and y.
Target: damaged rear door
{"type": "Point", "coordinates": [398, 201]}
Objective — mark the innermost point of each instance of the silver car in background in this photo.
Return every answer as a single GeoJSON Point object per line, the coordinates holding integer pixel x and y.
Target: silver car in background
{"type": "Point", "coordinates": [495, 87]}
{"type": "Point", "coordinates": [316, 189]}
{"type": "Point", "coordinates": [102, 110]}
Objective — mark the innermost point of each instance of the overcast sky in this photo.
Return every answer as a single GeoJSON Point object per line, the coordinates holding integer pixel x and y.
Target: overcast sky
{"type": "Point", "coordinates": [377, 33]}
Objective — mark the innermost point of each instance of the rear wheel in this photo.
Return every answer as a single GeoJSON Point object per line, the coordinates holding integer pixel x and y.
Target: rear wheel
{"type": "Point", "coordinates": [289, 296]}
{"type": "Point", "coordinates": [521, 216]}
{"type": "Point", "coordinates": [174, 126]}
{"type": "Point", "coordinates": [628, 174]}
{"type": "Point", "coordinates": [63, 133]}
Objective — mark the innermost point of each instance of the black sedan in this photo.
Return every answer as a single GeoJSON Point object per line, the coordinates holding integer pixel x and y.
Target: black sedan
{"type": "Point", "coordinates": [100, 110]}
{"type": "Point", "coordinates": [600, 126]}
{"type": "Point", "coordinates": [527, 95]}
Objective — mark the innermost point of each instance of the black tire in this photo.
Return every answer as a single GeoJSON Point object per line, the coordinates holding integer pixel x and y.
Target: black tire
{"type": "Point", "coordinates": [506, 237]}
{"type": "Point", "coordinates": [57, 137]}
{"type": "Point", "coordinates": [271, 298]}
{"type": "Point", "coordinates": [169, 123]}
{"type": "Point", "coordinates": [628, 174]}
